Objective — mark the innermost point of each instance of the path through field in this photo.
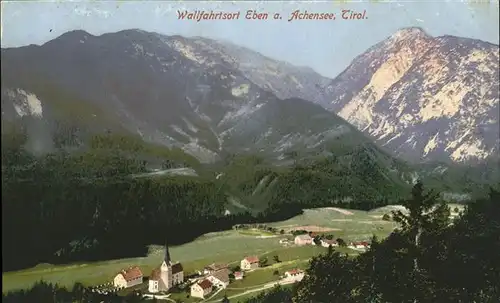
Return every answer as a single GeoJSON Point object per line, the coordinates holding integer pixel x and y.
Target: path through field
{"type": "Point", "coordinates": [266, 286]}
{"type": "Point", "coordinates": [342, 211]}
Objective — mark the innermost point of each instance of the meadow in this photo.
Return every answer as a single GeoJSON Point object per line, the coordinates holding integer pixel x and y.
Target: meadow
{"type": "Point", "coordinates": [227, 247]}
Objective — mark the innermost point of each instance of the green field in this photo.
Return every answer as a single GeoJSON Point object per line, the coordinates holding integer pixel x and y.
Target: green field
{"type": "Point", "coordinates": [359, 225]}
{"type": "Point", "coordinates": [228, 247]}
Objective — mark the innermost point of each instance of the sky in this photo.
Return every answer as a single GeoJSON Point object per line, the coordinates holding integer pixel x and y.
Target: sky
{"type": "Point", "coordinates": [327, 46]}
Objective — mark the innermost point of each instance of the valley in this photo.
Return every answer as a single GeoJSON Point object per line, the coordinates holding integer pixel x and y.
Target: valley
{"type": "Point", "coordinates": [115, 144]}
{"type": "Point", "coordinates": [228, 246]}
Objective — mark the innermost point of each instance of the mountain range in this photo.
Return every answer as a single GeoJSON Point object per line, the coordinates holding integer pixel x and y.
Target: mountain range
{"type": "Point", "coordinates": [412, 96]}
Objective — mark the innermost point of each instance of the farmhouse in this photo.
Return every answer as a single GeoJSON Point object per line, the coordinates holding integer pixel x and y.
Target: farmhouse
{"type": "Point", "coordinates": [249, 263]}
{"type": "Point", "coordinates": [303, 240]}
{"type": "Point", "coordinates": [201, 289]}
{"type": "Point", "coordinates": [168, 275]}
{"type": "Point", "coordinates": [294, 274]}
{"type": "Point", "coordinates": [327, 243]}
{"type": "Point", "coordinates": [128, 277]}
{"type": "Point", "coordinates": [238, 275]}
{"type": "Point", "coordinates": [359, 245]}
{"type": "Point", "coordinates": [220, 278]}
{"type": "Point", "coordinates": [212, 268]}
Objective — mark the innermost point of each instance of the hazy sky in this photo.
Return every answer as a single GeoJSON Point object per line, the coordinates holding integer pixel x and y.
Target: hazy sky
{"type": "Point", "coordinates": [326, 46]}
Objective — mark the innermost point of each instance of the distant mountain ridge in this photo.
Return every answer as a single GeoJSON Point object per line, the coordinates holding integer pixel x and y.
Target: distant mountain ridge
{"type": "Point", "coordinates": [421, 98]}
{"type": "Point", "coordinates": [414, 94]}
{"type": "Point", "coordinates": [170, 90]}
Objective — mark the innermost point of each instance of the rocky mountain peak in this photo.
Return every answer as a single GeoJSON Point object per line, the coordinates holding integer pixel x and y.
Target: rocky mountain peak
{"type": "Point", "coordinates": [424, 97]}
{"type": "Point", "coordinates": [409, 33]}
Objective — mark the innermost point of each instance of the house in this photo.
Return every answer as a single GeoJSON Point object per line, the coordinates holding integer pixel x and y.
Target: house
{"type": "Point", "coordinates": [359, 245]}
{"type": "Point", "coordinates": [249, 263]}
{"type": "Point", "coordinates": [220, 278]}
{"type": "Point", "coordinates": [128, 277]}
{"type": "Point", "coordinates": [294, 274]}
{"type": "Point", "coordinates": [303, 240]}
{"type": "Point", "coordinates": [169, 274]}
{"type": "Point", "coordinates": [327, 243]}
{"type": "Point", "coordinates": [212, 268]}
{"type": "Point", "coordinates": [238, 275]}
{"type": "Point", "coordinates": [201, 289]}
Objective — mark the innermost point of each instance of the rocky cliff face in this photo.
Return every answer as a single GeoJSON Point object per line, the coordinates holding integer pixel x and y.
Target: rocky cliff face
{"type": "Point", "coordinates": [189, 93]}
{"type": "Point", "coordinates": [424, 98]}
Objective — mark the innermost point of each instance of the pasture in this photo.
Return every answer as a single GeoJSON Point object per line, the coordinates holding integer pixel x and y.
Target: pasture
{"type": "Point", "coordinates": [350, 225]}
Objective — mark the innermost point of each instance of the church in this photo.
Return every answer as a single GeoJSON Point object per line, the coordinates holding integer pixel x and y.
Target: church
{"type": "Point", "coordinates": [168, 275]}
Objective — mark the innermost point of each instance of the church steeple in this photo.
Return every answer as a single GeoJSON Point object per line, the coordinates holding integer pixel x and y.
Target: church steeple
{"type": "Point", "coordinates": [167, 255]}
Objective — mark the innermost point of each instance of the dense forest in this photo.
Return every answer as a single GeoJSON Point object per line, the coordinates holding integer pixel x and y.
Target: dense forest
{"type": "Point", "coordinates": [86, 205]}
{"type": "Point", "coordinates": [428, 259]}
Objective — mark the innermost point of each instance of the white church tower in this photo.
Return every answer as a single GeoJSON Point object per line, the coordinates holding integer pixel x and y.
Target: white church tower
{"type": "Point", "coordinates": [166, 270]}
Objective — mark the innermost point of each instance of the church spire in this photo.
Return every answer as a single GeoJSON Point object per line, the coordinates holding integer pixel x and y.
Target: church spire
{"type": "Point", "coordinates": [167, 254]}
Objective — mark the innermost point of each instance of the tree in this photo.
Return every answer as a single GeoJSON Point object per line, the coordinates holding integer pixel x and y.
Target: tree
{"type": "Point", "coordinates": [386, 217]}
{"type": "Point", "coordinates": [423, 217]}
{"type": "Point", "coordinates": [341, 242]}
{"type": "Point", "coordinates": [263, 262]}
{"type": "Point", "coordinates": [276, 259]}
{"type": "Point", "coordinates": [236, 268]}
{"type": "Point", "coordinates": [225, 299]}
{"type": "Point", "coordinates": [317, 241]}
{"type": "Point", "coordinates": [282, 231]}
{"type": "Point", "coordinates": [276, 273]}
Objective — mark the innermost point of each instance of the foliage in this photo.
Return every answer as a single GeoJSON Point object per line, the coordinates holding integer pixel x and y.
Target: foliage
{"type": "Point", "coordinates": [86, 206]}
{"type": "Point", "coordinates": [47, 292]}
{"type": "Point", "coordinates": [428, 259]}
{"type": "Point", "coordinates": [277, 294]}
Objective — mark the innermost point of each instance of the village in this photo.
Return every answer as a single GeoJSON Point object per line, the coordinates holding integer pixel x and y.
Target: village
{"type": "Point", "coordinates": [206, 283]}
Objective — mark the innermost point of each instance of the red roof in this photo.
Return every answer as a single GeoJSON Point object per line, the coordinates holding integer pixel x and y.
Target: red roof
{"type": "Point", "coordinates": [252, 259]}
{"type": "Point", "coordinates": [238, 273]}
{"type": "Point", "coordinates": [155, 275]}
{"type": "Point", "coordinates": [131, 273]}
{"type": "Point", "coordinates": [205, 284]}
{"type": "Point", "coordinates": [364, 243]}
{"type": "Point", "coordinates": [294, 271]}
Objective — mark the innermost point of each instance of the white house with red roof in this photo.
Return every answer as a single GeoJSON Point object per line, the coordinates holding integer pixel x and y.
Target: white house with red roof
{"type": "Point", "coordinates": [362, 245]}
{"type": "Point", "coordinates": [238, 275]}
{"type": "Point", "coordinates": [294, 274]}
{"type": "Point", "coordinates": [128, 277]}
{"type": "Point", "coordinates": [201, 289]}
{"type": "Point", "coordinates": [249, 263]}
{"type": "Point", "coordinates": [219, 278]}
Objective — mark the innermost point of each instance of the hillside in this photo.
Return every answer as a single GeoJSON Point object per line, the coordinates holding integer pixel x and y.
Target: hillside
{"type": "Point", "coordinates": [169, 90]}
